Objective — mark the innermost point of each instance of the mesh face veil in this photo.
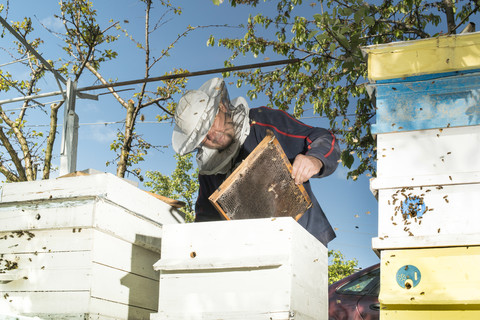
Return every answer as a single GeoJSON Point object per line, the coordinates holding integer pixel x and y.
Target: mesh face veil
{"type": "Point", "coordinates": [207, 121]}
{"type": "Point", "coordinates": [235, 122]}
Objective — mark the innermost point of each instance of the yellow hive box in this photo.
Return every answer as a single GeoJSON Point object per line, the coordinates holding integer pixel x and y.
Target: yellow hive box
{"type": "Point", "coordinates": [426, 56]}
{"type": "Point", "coordinates": [436, 283]}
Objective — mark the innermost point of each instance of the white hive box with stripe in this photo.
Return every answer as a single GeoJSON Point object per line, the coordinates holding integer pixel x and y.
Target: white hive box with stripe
{"type": "Point", "coordinates": [80, 247]}
{"type": "Point", "coordinates": [256, 269]}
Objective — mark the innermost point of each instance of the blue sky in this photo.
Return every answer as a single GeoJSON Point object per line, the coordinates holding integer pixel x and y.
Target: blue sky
{"type": "Point", "coordinates": [349, 205]}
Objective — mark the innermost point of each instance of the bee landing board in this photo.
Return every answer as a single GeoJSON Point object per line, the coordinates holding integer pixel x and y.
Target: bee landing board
{"type": "Point", "coordinates": [262, 187]}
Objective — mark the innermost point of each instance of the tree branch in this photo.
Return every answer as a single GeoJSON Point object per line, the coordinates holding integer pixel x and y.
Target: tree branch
{"type": "Point", "coordinates": [448, 7]}
{"type": "Point", "coordinates": [166, 111]}
{"type": "Point", "coordinates": [23, 145]}
{"type": "Point", "coordinates": [475, 10]}
{"type": "Point", "coordinates": [14, 156]}
{"type": "Point", "coordinates": [155, 101]}
{"type": "Point", "coordinates": [103, 81]}
{"type": "Point", "coordinates": [11, 177]}
{"type": "Point", "coordinates": [51, 139]}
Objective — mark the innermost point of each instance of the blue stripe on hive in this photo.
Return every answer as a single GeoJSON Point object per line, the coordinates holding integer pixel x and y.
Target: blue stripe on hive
{"type": "Point", "coordinates": [428, 102]}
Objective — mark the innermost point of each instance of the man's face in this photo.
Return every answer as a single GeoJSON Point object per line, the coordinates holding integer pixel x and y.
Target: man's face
{"type": "Point", "coordinates": [222, 133]}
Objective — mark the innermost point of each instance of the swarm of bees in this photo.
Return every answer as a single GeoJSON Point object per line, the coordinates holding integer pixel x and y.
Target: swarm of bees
{"type": "Point", "coordinates": [410, 206]}
{"type": "Point", "coordinates": [13, 264]}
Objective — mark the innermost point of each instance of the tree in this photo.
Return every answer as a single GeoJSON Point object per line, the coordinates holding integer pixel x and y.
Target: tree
{"type": "Point", "coordinates": [332, 72]}
{"type": "Point", "coordinates": [338, 267]}
{"type": "Point", "coordinates": [181, 185]}
{"type": "Point", "coordinates": [83, 37]}
{"type": "Point", "coordinates": [22, 152]}
{"type": "Point", "coordinates": [88, 44]}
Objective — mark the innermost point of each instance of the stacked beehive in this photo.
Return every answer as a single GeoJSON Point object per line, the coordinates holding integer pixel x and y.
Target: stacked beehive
{"type": "Point", "coordinates": [80, 248]}
{"type": "Point", "coordinates": [428, 176]}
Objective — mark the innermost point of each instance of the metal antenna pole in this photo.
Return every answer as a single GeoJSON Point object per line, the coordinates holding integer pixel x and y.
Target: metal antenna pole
{"type": "Point", "coordinates": [68, 154]}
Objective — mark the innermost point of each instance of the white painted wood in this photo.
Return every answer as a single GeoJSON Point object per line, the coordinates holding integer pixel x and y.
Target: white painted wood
{"type": "Point", "coordinates": [108, 310]}
{"type": "Point", "coordinates": [428, 152]}
{"type": "Point", "coordinates": [75, 305]}
{"type": "Point", "coordinates": [425, 181]}
{"type": "Point", "coordinates": [123, 287]}
{"type": "Point", "coordinates": [296, 282]}
{"type": "Point", "coordinates": [449, 240]}
{"type": "Point", "coordinates": [125, 256]}
{"type": "Point", "coordinates": [309, 291]}
{"type": "Point", "coordinates": [42, 241]}
{"type": "Point", "coordinates": [124, 276]}
{"type": "Point", "coordinates": [104, 185]}
{"type": "Point", "coordinates": [85, 248]}
{"type": "Point", "coordinates": [220, 262]}
{"type": "Point", "coordinates": [281, 315]}
{"type": "Point", "coordinates": [452, 210]}
{"type": "Point", "coordinates": [82, 213]}
{"type": "Point", "coordinates": [31, 303]}
{"type": "Point", "coordinates": [138, 228]}
{"type": "Point", "coordinates": [51, 271]}
{"type": "Point", "coordinates": [47, 215]}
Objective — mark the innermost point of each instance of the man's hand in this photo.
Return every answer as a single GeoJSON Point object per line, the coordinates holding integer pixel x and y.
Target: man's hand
{"type": "Point", "coordinates": [305, 167]}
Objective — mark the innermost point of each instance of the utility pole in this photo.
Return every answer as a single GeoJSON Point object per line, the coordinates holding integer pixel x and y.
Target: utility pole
{"type": "Point", "coordinates": [68, 154]}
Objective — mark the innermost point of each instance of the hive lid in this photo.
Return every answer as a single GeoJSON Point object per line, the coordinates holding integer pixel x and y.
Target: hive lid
{"type": "Point", "coordinates": [262, 186]}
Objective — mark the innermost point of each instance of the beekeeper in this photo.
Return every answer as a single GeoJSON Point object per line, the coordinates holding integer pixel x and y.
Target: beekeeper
{"type": "Point", "coordinates": [223, 132]}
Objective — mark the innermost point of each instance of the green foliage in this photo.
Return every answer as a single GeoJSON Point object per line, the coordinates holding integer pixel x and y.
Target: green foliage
{"type": "Point", "coordinates": [332, 73]}
{"type": "Point", "coordinates": [87, 44]}
{"type": "Point", "coordinates": [139, 149]}
{"type": "Point", "coordinates": [182, 184]}
{"type": "Point", "coordinates": [338, 267]}
{"type": "Point", "coordinates": [84, 37]}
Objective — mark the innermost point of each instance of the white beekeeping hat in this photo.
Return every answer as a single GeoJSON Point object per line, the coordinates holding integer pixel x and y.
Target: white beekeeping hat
{"type": "Point", "coordinates": [195, 114]}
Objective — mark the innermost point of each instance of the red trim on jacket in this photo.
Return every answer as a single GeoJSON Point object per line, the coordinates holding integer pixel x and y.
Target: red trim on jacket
{"type": "Point", "coordinates": [281, 132]}
{"type": "Point", "coordinates": [333, 145]}
{"type": "Point", "coordinates": [288, 115]}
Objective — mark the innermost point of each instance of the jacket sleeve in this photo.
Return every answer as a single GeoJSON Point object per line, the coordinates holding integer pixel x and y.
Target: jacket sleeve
{"type": "Point", "coordinates": [324, 146]}
{"type": "Point", "coordinates": [297, 137]}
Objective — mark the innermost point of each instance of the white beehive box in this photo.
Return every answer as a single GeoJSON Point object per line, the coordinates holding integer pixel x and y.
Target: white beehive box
{"type": "Point", "coordinates": [242, 269]}
{"type": "Point", "coordinates": [434, 175]}
{"type": "Point", "coordinates": [83, 248]}
{"type": "Point", "coordinates": [447, 152]}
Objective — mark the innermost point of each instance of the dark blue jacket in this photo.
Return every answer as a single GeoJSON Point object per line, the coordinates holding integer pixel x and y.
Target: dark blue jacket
{"type": "Point", "coordinates": [295, 137]}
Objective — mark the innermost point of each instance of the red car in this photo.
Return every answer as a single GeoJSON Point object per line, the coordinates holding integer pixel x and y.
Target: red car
{"type": "Point", "coordinates": [356, 296]}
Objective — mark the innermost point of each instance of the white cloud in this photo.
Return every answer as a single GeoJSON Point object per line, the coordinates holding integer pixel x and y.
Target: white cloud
{"type": "Point", "coordinates": [99, 133]}
{"type": "Point", "coordinates": [52, 23]}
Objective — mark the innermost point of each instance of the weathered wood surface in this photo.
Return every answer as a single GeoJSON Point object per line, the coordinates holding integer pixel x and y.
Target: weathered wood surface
{"type": "Point", "coordinates": [80, 249]}
{"type": "Point", "coordinates": [103, 185]}
{"type": "Point", "coordinates": [75, 214]}
{"type": "Point", "coordinates": [425, 56]}
{"type": "Point", "coordinates": [445, 101]}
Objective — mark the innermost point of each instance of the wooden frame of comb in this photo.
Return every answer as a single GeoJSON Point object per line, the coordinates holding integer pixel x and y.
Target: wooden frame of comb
{"type": "Point", "coordinates": [262, 186]}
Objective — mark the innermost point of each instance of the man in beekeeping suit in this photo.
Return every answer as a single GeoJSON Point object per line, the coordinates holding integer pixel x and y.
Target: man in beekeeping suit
{"type": "Point", "coordinates": [224, 132]}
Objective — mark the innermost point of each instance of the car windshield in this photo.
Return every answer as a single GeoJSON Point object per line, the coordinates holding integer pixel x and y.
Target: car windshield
{"type": "Point", "coordinates": [364, 285]}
